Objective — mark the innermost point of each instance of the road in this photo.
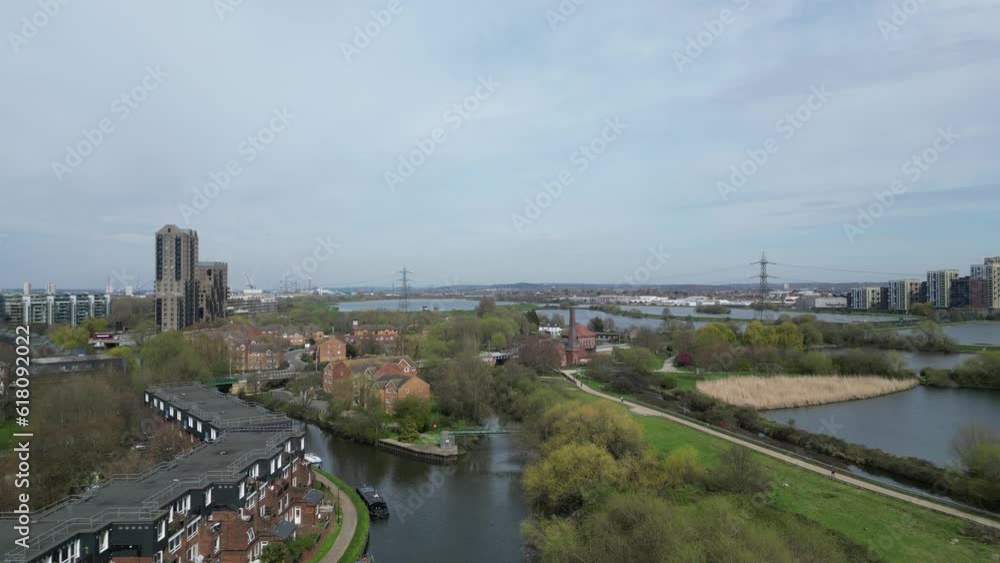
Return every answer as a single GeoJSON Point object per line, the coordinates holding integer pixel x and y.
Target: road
{"type": "Point", "coordinates": [294, 359]}
{"type": "Point", "coordinates": [350, 523]}
{"type": "Point", "coordinates": [645, 411]}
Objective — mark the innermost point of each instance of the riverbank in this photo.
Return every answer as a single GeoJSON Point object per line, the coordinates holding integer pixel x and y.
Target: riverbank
{"type": "Point", "coordinates": [892, 525]}
{"type": "Point", "coordinates": [782, 391]}
{"type": "Point", "coordinates": [353, 536]}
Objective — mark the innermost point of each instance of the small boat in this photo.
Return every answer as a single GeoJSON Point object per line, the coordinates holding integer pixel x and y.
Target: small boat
{"type": "Point", "coordinates": [377, 508]}
{"type": "Point", "coordinates": [312, 459]}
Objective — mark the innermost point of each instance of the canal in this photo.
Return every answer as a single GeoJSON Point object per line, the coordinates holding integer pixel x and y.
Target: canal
{"type": "Point", "coordinates": [471, 511]}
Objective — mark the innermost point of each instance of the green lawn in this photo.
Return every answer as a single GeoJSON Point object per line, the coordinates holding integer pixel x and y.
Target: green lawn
{"type": "Point", "coordinates": [895, 530]}
{"type": "Point", "coordinates": [6, 433]}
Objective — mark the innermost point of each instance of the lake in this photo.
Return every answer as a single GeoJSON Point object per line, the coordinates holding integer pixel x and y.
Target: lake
{"type": "Point", "coordinates": [471, 511]}
{"type": "Point", "coordinates": [743, 313]}
{"type": "Point", "coordinates": [920, 422]}
{"type": "Point", "coordinates": [443, 304]}
{"type": "Point", "coordinates": [981, 333]}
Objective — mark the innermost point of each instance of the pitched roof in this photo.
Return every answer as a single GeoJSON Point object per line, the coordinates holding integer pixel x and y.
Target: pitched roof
{"type": "Point", "coordinates": [581, 331]}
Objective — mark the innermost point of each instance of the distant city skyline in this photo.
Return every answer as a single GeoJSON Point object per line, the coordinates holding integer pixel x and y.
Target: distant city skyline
{"type": "Point", "coordinates": [500, 144]}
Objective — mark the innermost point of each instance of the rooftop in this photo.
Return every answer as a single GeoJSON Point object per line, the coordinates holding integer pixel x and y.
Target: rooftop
{"type": "Point", "coordinates": [221, 410]}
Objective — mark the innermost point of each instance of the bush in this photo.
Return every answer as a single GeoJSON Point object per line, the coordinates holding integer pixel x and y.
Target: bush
{"type": "Point", "coordinates": [568, 478]}
{"type": "Point", "coordinates": [738, 472]}
{"type": "Point", "coordinates": [408, 431]}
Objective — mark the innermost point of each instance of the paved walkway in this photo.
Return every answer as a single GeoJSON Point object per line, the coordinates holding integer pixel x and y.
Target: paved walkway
{"type": "Point", "coordinates": [645, 411]}
{"type": "Point", "coordinates": [668, 366]}
{"type": "Point", "coordinates": [350, 523]}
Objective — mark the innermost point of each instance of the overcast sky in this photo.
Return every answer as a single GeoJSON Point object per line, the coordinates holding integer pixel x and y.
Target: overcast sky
{"type": "Point", "coordinates": [199, 80]}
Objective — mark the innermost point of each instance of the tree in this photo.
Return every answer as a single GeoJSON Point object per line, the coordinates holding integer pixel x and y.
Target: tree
{"type": "Point", "coordinates": [487, 306]}
{"type": "Point", "coordinates": [789, 336]}
{"type": "Point", "coordinates": [70, 338]}
{"type": "Point", "coordinates": [922, 310]}
{"type": "Point", "coordinates": [95, 324]}
{"type": "Point", "coordinates": [540, 353]}
{"type": "Point", "coordinates": [414, 409]}
{"type": "Point", "coordinates": [568, 477]}
{"type": "Point", "coordinates": [408, 431]}
{"type": "Point", "coordinates": [601, 424]}
{"type": "Point", "coordinates": [759, 335]}
{"type": "Point", "coordinates": [275, 552]}
{"type": "Point", "coordinates": [970, 443]}
{"type": "Point", "coordinates": [596, 324]}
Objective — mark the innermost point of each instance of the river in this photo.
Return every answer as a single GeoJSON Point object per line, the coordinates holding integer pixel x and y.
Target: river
{"type": "Point", "coordinates": [471, 511]}
{"type": "Point", "coordinates": [920, 422]}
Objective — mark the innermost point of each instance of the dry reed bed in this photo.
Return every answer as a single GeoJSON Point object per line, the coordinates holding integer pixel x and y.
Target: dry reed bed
{"type": "Point", "coordinates": [783, 391]}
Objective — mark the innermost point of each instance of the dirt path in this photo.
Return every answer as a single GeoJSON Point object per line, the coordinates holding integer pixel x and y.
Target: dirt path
{"type": "Point", "coordinates": [350, 523]}
{"type": "Point", "coordinates": [645, 411]}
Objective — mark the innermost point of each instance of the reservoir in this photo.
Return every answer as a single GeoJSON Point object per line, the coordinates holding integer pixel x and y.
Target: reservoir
{"type": "Point", "coordinates": [920, 422]}
{"type": "Point", "coordinates": [444, 304]}
{"type": "Point", "coordinates": [470, 511]}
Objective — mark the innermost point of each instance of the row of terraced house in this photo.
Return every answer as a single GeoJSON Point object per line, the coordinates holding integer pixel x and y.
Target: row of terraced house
{"type": "Point", "coordinates": [243, 485]}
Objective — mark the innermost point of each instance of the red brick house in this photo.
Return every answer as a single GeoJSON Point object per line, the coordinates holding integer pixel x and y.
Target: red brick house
{"type": "Point", "coordinates": [331, 349]}
{"type": "Point", "coordinates": [392, 387]}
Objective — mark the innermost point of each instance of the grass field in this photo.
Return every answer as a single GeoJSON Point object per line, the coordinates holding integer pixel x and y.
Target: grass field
{"type": "Point", "coordinates": [6, 433]}
{"type": "Point", "coordinates": [889, 528]}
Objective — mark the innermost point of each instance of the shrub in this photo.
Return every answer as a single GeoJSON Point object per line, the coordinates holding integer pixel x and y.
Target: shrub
{"type": "Point", "coordinates": [738, 472]}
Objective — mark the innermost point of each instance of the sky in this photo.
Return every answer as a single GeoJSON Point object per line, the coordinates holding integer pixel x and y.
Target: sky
{"type": "Point", "coordinates": [587, 141]}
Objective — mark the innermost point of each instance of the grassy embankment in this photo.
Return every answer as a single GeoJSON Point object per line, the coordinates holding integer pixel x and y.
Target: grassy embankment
{"type": "Point", "coordinates": [330, 538]}
{"type": "Point", "coordinates": [782, 391]}
{"type": "Point", "coordinates": [890, 529]}
{"type": "Point", "coordinates": [357, 546]}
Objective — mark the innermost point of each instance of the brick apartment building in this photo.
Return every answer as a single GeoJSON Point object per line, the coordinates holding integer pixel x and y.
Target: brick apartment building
{"type": "Point", "coordinates": [331, 349]}
{"type": "Point", "coordinates": [242, 486]}
{"type": "Point", "coordinates": [391, 378]}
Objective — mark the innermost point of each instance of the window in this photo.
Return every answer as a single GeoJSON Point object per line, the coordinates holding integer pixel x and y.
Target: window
{"type": "Point", "coordinates": [192, 528]}
{"type": "Point", "coordinates": [208, 496]}
{"type": "Point", "coordinates": [161, 530]}
{"type": "Point", "coordinates": [105, 540]}
{"type": "Point", "coordinates": [251, 535]}
{"type": "Point", "coordinates": [192, 552]}
{"type": "Point", "coordinates": [250, 502]}
{"type": "Point", "coordinates": [175, 542]}
{"type": "Point", "coordinates": [243, 490]}
{"type": "Point", "coordinates": [158, 557]}
{"type": "Point", "coordinates": [215, 549]}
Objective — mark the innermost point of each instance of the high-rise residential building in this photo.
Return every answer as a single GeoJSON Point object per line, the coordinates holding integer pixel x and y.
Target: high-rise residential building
{"type": "Point", "coordinates": [939, 287]}
{"type": "Point", "coordinates": [53, 308]}
{"type": "Point", "coordinates": [865, 298]}
{"type": "Point", "coordinates": [901, 294]}
{"type": "Point", "coordinates": [989, 272]}
{"type": "Point", "coordinates": [968, 292]}
{"type": "Point", "coordinates": [213, 290]}
{"type": "Point", "coordinates": [175, 288]}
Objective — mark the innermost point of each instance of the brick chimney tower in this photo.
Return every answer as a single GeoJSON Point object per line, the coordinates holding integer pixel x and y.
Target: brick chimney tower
{"type": "Point", "coordinates": [572, 328]}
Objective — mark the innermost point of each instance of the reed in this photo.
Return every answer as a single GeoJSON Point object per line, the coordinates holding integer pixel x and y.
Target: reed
{"type": "Point", "coordinates": [783, 391]}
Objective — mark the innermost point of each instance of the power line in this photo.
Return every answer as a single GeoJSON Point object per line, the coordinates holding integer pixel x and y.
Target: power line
{"type": "Point", "coordinates": [760, 308]}
{"type": "Point", "coordinates": [845, 270]}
